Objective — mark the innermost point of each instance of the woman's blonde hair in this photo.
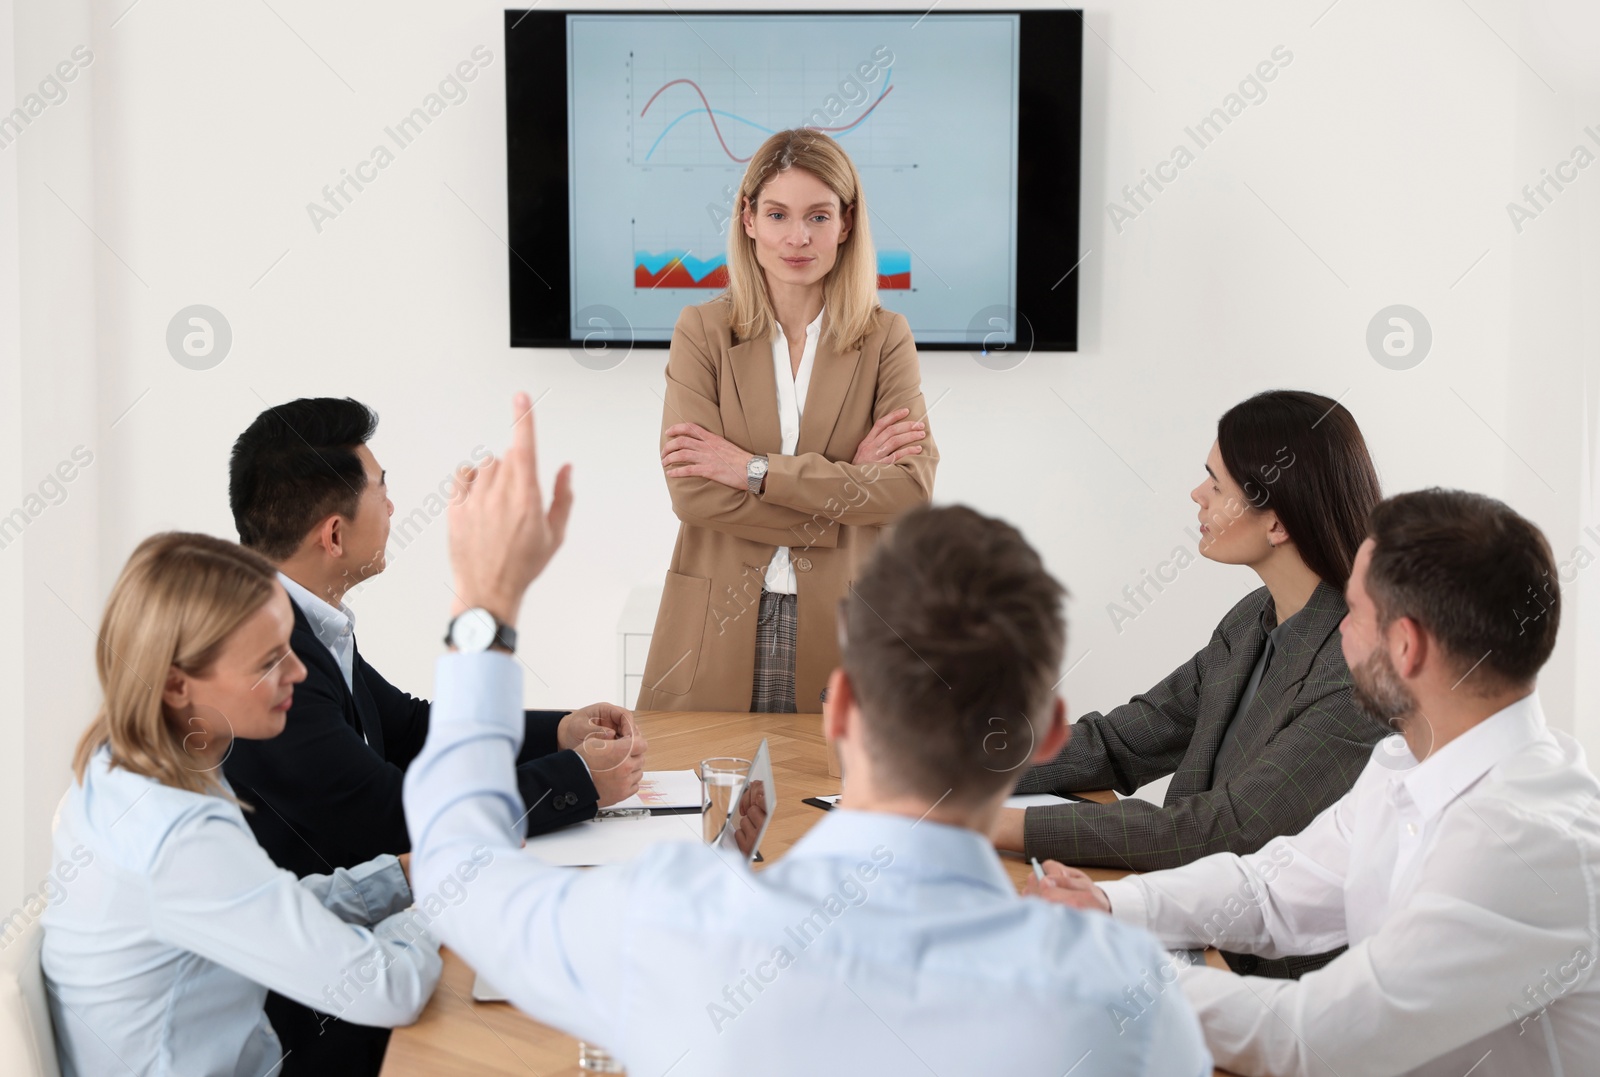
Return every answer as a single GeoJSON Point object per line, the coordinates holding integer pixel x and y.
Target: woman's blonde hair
{"type": "Point", "coordinates": [178, 599]}
{"type": "Point", "coordinates": [850, 291]}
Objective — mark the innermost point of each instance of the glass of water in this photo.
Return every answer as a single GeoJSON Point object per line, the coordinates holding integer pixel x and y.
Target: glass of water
{"type": "Point", "coordinates": [720, 782]}
{"type": "Point", "coordinates": [592, 1059]}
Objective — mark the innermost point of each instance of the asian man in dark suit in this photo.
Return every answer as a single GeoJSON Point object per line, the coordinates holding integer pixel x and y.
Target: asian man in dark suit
{"type": "Point", "coordinates": [307, 493]}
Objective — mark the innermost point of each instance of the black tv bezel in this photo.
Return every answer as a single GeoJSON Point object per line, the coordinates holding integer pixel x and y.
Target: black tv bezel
{"type": "Point", "coordinates": [1049, 112]}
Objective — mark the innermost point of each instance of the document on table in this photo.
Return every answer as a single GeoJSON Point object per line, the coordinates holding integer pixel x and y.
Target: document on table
{"type": "Point", "coordinates": [611, 840]}
{"type": "Point", "coordinates": [660, 789]}
{"type": "Point", "coordinates": [1024, 800]}
{"type": "Point", "coordinates": [1039, 800]}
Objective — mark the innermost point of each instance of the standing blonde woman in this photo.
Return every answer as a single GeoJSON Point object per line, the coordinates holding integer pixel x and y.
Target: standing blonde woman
{"type": "Point", "coordinates": [794, 429]}
{"type": "Point", "coordinates": [160, 955]}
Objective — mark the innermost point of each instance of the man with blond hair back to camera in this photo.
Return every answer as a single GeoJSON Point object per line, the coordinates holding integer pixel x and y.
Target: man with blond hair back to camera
{"type": "Point", "coordinates": [889, 938]}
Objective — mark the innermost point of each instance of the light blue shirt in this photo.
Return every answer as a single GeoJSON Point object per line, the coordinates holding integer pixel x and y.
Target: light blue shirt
{"type": "Point", "coordinates": [160, 953]}
{"type": "Point", "coordinates": [878, 945]}
{"type": "Point", "coordinates": [334, 626]}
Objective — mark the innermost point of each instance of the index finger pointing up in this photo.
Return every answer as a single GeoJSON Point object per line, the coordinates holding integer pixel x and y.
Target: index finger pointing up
{"type": "Point", "coordinates": [522, 450]}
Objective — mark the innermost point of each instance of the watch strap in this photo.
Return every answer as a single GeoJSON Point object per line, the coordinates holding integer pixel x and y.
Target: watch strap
{"type": "Point", "coordinates": [755, 474]}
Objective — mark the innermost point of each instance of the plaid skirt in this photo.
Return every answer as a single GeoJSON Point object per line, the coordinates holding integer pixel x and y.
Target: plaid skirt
{"type": "Point", "coordinates": [773, 687]}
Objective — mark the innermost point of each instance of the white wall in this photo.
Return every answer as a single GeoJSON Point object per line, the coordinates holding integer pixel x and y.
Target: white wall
{"type": "Point", "coordinates": [11, 763]}
{"type": "Point", "coordinates": [1376, 172]}
{"type": "Point", "coordinates": [52, 277]}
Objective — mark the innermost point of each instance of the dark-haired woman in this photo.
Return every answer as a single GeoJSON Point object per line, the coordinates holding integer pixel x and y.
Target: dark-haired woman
{"type": "Point", "coordinates": [1259, 730]}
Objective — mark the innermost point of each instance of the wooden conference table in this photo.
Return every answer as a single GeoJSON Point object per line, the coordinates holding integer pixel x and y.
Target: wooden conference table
{"type": "Point", "coordinates": [457, 1037]}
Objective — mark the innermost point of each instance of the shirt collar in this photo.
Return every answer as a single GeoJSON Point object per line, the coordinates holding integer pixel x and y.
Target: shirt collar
{"type": "Point", "coordinates": [1269, 618]}
{"type": "Point", "coordinates": [1271, 626]}
{"type": "Point", "coordinates": [331, 625]}
{"type": "Point", "coordinates": [812, 329]}
{"type": "Point", "coordinates": [1311, 627]}
{"type": "Point", "coordinates": [922, 846]}
{"type": "Point", "coordinates": [1450, 771]}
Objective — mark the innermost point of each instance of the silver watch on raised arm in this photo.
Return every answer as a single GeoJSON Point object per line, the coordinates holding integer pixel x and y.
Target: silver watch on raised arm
{"type": "Point", "coordinates": [479, 630]}
{"type": "Point", "coordinates": [754, 472]}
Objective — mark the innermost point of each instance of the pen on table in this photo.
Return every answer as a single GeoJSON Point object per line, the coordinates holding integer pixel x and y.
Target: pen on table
{"type": "Point", "coordinates": [1038, 871]}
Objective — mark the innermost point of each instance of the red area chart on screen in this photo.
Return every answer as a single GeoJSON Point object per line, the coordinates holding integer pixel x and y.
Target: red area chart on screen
{"type": "Point", "coordinates": [680, 269]}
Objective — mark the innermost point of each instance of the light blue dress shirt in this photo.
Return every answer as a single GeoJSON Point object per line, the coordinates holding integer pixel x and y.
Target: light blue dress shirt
{"type": "Point", "coordinates": [878, 945]}
{"type": "Point", "coordinates": [160, 954]}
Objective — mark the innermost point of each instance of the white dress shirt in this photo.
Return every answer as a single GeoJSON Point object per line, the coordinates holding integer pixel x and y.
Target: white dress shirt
{"type": "Point", "coordinates": [878, 945]}
{"type": "Point", "coordinates": [1466, 888]}
{"type": "Point", "coordinates": [159, 954]}
{"type": "Point", "coordinates": [334, 626]}
{"type": "Point", "coordinates": [792, 386]}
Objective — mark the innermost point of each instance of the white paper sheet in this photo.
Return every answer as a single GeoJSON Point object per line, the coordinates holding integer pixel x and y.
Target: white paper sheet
{"type": "Point", "coordinates": [611, 841]}
{"type": "Point", "coordinates": [1037, 800]}
{"type": "Point", "coordinates": [665, 789]}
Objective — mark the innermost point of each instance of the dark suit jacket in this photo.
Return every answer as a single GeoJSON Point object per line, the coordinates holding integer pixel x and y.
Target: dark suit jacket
{"type": "Point", "coordinates": [1302, 745]}
{"type": "Point", "coordinates": [325, 799]}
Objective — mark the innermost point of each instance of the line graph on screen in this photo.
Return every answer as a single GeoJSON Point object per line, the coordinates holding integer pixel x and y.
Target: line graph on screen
{"type": "Point", "coordinates": [697, 112]}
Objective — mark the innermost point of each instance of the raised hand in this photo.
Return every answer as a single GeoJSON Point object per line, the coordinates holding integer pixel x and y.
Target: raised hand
{"type": "Point", "coordinates": [501, 533]}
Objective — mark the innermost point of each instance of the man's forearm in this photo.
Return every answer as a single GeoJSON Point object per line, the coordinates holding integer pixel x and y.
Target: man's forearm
{"type": "Point", "coordinates": [461, 791]}
{"type": "Point", "coordinates": [557, 789]}
{"type": "Point", "coordinates": [541, 734]}
{"type": "Point", "coordinates": [1007, 833]}
{"type": "Point", "coordinates": [471, 876]}
{"type": "Point", "coordinates": [1211, 902]}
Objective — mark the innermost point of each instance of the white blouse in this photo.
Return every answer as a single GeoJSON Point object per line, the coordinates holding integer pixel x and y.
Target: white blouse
{"type": "Point", "coordinates": [792, 386]}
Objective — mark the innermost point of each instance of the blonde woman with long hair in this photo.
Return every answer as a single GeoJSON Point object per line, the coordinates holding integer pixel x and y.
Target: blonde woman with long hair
{"type": "Point", "coordinates": [160, 955]}
{"type": "Point", "coordinates": [794, 430]}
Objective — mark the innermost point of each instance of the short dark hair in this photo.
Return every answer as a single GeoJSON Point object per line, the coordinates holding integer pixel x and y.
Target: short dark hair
{"type": "Point", "coordinates": [1479, 577]}
{"type": "Point", "coordinates": [1327, 487]}
{"type": "Point", "coordinates": [953, 636]}
{"type": "Point", "coordinates": [294, 466]}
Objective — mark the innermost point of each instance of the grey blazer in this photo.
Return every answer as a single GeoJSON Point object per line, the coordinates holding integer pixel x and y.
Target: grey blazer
{"type": "Point", "coordinates": [1303, 743]}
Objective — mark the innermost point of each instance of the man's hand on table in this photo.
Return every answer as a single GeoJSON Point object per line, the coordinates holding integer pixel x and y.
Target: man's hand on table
{"type": "Point", "coordinates": [1067, 886]}
{"type": "Point", "coordinates": [616, 763]}
{"type": "Point", "coordinates": [606, 720]}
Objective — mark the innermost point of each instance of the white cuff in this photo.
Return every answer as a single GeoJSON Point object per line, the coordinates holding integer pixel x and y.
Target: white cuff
{"type": "Point", "coordinates": [1128, 903]}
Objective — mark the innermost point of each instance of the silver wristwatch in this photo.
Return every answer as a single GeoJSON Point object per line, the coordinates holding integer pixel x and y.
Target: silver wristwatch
{"type": "Point", "coordinates": [754, 472]}
{"type": "Point", "coordinates": [478, 630]}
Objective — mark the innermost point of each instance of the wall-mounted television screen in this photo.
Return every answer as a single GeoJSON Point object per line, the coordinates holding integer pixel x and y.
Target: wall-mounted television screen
{"type": "Point", "coordinates": [628, 133]}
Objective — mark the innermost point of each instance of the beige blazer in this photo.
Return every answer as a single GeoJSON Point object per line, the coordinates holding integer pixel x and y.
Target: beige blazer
{"type": "Point", "coordinates": [826, 509]}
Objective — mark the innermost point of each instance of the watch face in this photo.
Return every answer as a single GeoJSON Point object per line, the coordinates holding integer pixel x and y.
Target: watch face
{"type": "Point", "coordinates": [473, 630]}
{"type": "Point", "coordinates": [757, 468]}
